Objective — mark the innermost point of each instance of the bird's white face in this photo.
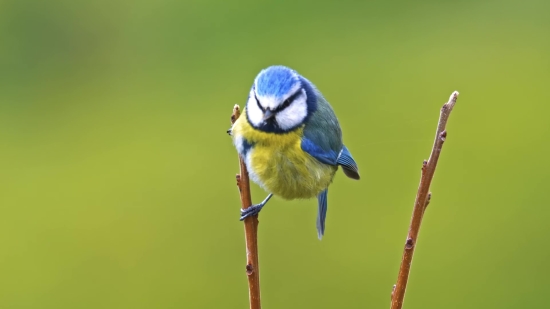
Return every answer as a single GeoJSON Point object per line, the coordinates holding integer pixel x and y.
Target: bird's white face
{"type": "Point", "coordinates": [285, 112]}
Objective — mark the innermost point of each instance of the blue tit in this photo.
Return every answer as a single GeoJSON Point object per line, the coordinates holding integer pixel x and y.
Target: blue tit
{"type": "Point", "coordinates": [290, 140]}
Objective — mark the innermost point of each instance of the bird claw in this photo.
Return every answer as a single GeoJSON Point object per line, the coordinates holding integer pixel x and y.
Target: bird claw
{"type": "Point", "coordinates": [250, 211]}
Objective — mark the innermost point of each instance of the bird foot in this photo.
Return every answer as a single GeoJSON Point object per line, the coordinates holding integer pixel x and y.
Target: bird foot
{"type": "Point", "coordinates": [251, 211]}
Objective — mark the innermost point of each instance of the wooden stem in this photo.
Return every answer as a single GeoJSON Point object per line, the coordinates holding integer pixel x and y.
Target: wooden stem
{"type": "Point", "coordinates": [423, 197]}
{"type": "Point", "coordinates": [250, 230]}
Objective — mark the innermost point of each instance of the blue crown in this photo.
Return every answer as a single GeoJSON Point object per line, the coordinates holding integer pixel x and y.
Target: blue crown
{"type": "Point", "coordinates": [276, 81]}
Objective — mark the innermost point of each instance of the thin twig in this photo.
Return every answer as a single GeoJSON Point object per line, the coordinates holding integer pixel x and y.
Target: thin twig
{"type": "Point", "coordinates": [422, 200]}
{"type": "Point", "coordinates": [250, 230]}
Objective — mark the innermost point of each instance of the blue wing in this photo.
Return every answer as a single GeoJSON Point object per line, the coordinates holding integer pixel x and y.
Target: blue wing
{"type": "Point", "coordinates": [348, 164]}
{"type": "Point", "coordinates": [342, 157]}
{"type": "Point", "coordinates": [322, 213]}
{"type": "Point", "coordinates": [327, 156]}
{"type": "Point", "coordinates": [322, 138]}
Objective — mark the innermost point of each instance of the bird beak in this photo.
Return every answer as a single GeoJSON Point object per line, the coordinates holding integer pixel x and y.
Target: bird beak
{"type": "Point", "coordinates": [268, 114]}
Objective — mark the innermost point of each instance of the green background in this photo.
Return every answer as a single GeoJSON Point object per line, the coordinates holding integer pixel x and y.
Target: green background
{"type": "Point", "coordinates": [117, 179]}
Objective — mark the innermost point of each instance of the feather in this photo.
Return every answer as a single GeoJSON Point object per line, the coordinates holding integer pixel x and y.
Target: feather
{"type": "Point", "coordinates": [322, 137]}
{"type": "Point", "coordinates": [348, 164]}
{"type": "Point", "coordinates": [322, 213]}
{"type": "Point", "coordinates": [322, 128]}
{"type": "Point", "coordinates": [278, 163]}
{"type": "Point", "coordinates": [329, 157]}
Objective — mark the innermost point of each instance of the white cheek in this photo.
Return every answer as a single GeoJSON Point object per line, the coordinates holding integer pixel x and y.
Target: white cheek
{"type": "Point", "coordinates": [255, 114]}
{"type": "Point", "coordinates": [293, 115]}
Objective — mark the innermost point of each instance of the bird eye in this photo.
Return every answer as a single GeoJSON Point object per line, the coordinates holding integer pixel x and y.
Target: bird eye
{"type": "Point", "coordinates": [286, 103]}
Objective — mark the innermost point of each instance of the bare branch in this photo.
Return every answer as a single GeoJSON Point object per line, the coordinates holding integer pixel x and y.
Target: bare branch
{"type": "Point", "coordinates": [250, 230]}
{"type": "Point", "coordinates": [421, 203]}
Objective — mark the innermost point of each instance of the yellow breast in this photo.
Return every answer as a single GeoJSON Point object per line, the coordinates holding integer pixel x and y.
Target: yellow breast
{"type": "Point", "coordinates": [278, 164]}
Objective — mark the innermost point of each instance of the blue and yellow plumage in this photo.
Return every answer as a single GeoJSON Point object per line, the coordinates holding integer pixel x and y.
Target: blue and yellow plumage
{"type": "Point", "coordinates": [291, 140]}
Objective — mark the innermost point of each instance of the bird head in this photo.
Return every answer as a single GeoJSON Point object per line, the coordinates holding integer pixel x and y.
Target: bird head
{"type": "Point", "coordinates": [280, 100]}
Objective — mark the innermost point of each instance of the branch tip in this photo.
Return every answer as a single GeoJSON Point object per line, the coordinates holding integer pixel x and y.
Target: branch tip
{"type": "Point", "coordinates": [451, 103]}
{"type": "Point", "coordinates": [236, 114]}
{"type": "Point", "coordinates": [454, 96]}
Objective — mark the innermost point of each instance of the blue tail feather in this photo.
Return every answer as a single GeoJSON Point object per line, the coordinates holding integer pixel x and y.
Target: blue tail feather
{"type": "Point", "coordinates": [322, 213]}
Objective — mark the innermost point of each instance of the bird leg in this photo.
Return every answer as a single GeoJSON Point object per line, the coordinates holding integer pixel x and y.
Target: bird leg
{"type": "Point", "coordinates": [254, 209]}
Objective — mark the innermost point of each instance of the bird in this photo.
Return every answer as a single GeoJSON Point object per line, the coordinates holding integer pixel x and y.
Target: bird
{"type": "Point", "coordinates": [290, 140]}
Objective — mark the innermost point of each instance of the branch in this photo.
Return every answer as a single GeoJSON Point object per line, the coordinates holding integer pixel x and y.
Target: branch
{"type": "Point", "coordinates": [422, 200]}
{"type": "Point", "coordinates": [250, 230]}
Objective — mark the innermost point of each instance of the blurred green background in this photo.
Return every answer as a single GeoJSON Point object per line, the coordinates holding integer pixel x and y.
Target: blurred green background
{"type": "Point", "coordinates": [117, 185]}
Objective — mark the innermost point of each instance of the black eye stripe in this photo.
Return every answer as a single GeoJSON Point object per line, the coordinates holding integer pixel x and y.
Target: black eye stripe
{"type": "Point", "coordinates": [288, 101]}
{"type": "Point", "coordinates": [258, 102]}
